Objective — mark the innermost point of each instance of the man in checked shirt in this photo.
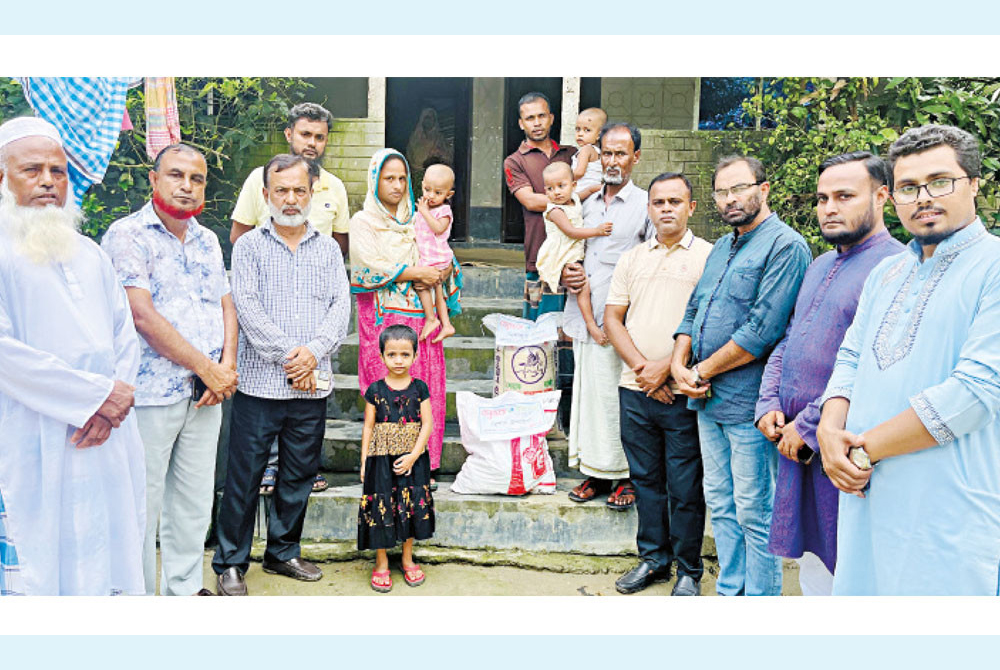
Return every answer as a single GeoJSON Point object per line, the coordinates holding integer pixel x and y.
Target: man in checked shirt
{"type": "Point", "coordinates": [292, 301]}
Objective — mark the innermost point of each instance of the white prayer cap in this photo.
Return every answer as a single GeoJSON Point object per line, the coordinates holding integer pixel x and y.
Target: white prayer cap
{"type": "Point", "coordinates": [27, 126]}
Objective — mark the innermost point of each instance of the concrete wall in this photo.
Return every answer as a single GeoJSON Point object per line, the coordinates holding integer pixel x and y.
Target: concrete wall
{"type": "Point", "coordinates": [692, 153]}
{"type": "Point", "coordinates": [652, 102]}
{"type": "Point", "coordinates": [486, 194]}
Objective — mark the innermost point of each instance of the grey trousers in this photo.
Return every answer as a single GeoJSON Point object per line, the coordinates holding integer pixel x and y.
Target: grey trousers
{"type": "Point", "coordinates": [180, 443]}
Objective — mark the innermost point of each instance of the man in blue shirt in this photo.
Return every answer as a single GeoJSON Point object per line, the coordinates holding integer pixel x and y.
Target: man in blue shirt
{"type": "Point", "coordinates": [737, 313]}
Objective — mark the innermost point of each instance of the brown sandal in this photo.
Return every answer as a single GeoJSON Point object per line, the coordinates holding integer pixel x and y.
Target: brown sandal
{"type": "Point", "coordinates": [589, 489]}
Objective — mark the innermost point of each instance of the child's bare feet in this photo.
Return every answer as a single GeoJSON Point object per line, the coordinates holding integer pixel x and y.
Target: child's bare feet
{"type": "Point", "coordinates": [447, 330]}
{"type": "Point", "coordinates": [597, 334]}
{"type": "Point", "coordinates": [430, 325]}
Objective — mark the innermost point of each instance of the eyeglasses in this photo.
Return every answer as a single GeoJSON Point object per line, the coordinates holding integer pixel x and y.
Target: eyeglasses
{"type": "Point", "coordinates": [936, 188]}
{"type": "Point", "coordinates": [739, 189]}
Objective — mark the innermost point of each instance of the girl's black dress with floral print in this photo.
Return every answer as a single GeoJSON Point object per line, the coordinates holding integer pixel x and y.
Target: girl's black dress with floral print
{"type": "Point", "coordinates": [395, 507]}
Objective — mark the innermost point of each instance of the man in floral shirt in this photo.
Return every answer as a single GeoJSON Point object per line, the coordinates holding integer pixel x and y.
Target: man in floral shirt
{"type": "Point", "coordinates": [174, 276]}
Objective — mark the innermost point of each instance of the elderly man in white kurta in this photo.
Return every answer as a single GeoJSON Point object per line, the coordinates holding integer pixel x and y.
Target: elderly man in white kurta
{"type": "Point", "coordinates": [71, 461]}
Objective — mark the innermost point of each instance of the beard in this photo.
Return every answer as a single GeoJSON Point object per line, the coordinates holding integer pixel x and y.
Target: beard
{"type": "Point", "coordinates": [289, 220]}
{"type": "Point", "coordinates": [612, 176]}
{"type": "Point", "coordinates": [745, 215]}
{"type": "Point", "coordinates": [849, 237]}
{"type": "Point", "coordinates": [175, 212]}
{"type": "Point", "coordinates": [933, 239]}
{"type": "Point", "coordinates": [43, 235]}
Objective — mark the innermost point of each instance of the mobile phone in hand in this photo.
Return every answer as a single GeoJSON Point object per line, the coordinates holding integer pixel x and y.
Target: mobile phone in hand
{"type": "Point", "coordinates": [805, 454]}
{"type": "Point", "coordinates": [198, 388]}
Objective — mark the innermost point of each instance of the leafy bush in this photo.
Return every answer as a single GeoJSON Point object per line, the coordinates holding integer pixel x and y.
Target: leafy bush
{"type": "Point", "coordinates": [819, 117]}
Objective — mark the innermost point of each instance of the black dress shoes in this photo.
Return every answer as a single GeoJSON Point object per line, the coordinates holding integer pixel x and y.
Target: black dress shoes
{"type": "Point", "coordinates": [230, 583]}
{"type": "Point", "coordinates": [296, 568]}
{"type": "Point", "coordinates": [640, 577]}
{"type": "Point", "coordinates": [686, 586]}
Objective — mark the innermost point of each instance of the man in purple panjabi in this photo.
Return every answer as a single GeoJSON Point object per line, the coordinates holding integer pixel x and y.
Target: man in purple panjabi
{"type": "Point", "coordinates": [850, 192]}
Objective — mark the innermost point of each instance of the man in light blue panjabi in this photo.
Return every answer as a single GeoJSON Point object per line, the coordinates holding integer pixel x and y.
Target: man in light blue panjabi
{"type": "Point", "coordinates": [916, 391]}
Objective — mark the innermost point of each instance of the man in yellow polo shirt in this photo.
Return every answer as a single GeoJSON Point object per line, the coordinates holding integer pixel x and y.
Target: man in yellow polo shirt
{"type": "Point", "coordinates": [307, 132]}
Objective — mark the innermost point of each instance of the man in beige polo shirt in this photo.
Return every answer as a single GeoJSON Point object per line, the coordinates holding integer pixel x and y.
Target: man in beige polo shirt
{"type": "Point", "coordinates": [649, 293]}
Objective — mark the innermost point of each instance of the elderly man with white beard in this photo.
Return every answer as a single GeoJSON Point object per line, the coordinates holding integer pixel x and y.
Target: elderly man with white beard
{"type": "Point", "coordinates": [72, 480]}
{"type": "Point", "coordinates": [292, 301]}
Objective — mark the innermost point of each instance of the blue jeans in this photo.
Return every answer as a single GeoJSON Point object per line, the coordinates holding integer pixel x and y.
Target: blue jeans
{"type": "Point", "coordinates": [740, 465]}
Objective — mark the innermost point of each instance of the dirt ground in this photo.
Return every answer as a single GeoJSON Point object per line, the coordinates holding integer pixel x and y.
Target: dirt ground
{"type": "Point", "coordinates": [351, 578]}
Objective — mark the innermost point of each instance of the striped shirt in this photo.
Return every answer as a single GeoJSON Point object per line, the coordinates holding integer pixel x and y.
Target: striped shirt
{"type": "Point", "coordinates": [9, 566]}
{"type": "Point", "coordinates": [286, 300]}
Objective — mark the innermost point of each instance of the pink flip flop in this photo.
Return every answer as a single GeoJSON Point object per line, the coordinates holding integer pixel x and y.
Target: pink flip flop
{"type": "Point", "coordinates": [384, 575]}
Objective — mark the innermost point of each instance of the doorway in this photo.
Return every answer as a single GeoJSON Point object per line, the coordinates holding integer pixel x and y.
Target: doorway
{"type": "Point", "coordinates": [429, 118]}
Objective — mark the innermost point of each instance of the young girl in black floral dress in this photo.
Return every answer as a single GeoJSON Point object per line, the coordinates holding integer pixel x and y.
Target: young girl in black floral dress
{"type": "Point", "coordinates": [396, 503]}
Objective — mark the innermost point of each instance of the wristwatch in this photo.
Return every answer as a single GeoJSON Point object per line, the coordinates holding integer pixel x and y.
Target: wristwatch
{"type": "Point", "coordinates": [860, 458]}
{"type": "Point", "coordinates": [697, 375]}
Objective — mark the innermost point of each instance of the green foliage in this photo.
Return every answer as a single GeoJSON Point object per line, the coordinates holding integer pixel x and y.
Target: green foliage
{"type": "Point", "coordinates": [815, 118]}
{"type": "Point", "coordinates": [222, 117]}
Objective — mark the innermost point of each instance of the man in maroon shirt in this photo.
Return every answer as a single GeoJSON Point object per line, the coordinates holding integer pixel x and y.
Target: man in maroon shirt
{"type": "Point", "coordinates": [523, 172]}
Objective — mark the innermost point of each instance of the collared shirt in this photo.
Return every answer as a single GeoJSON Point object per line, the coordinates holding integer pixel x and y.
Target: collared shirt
{"type": "Point", "coordinates": [187, 281]}
{"type": "Point", "coordinates": [655, 281]}
{"type": "Point", "coordinates": [524, 168]}
{"type": "Point", "coordinates": [284, 300]}
{"type": "Point", "coordinates": [925, 338]}
{"type": "Point", "coordinates": [805, 506]}
{"type": "Point", "coordinates": [746, 295]}
{"type": "Point", "coordinates": [329, 203]}
{"type": "Point", "coordinates": [628, 212]}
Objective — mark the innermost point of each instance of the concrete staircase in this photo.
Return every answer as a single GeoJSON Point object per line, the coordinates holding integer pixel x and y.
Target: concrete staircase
{"type": "Point", "coordinates": [533, 523]}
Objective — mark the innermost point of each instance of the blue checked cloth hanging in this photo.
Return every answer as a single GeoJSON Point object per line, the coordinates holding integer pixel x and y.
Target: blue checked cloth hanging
{"type": "Point", "coordinates": [88, 112]}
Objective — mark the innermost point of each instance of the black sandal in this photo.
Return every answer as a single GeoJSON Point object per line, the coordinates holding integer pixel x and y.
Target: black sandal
{"type": "Point", "coordinates": [624, 488]}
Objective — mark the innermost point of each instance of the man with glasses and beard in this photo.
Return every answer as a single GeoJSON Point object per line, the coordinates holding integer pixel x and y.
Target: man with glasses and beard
{"type": "Point", "coordinates": [172, 270]}
{"type": "Point", "coordinates": [911, 419]}
{"type": "Point", "coordinates": [72, 501]}
{"type": "Point", "coordinates": [850, 194]}
{"type": "Point", "coordinates": [737, 313]}
{"type": "Point", "coordinates": [292, 300]}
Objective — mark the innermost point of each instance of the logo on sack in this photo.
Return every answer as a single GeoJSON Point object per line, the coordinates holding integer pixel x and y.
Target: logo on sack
{"type": "Point", "coordinates": [529, 364]}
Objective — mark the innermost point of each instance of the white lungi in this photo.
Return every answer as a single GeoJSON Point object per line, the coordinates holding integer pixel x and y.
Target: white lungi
{"type": "Point", "coordinates": [595, 445]}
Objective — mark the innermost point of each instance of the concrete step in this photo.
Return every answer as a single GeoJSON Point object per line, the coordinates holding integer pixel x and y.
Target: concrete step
{"type": "Point", "coordinates": [346, 402]}
{"type": "Point", "coordinates": [342, 449]}
{"type": "Point", "coordinates": [469, 322]}
{"type": "Point", "coordinates": [465, 357]}
{"type": "Point", "coordinates": [493, 281]}
{"type": "Point", "coordinates": [534, 523]}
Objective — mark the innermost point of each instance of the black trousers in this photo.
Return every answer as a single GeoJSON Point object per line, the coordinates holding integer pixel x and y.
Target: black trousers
{"type": "Point", "coordinates": [298, 426]}
{"type": "Point", "coordinates": [664, 461]}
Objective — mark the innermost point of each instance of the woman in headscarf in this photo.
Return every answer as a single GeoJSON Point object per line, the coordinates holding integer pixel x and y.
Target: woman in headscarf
{"type": "Point", "coordinates": [384, 268]}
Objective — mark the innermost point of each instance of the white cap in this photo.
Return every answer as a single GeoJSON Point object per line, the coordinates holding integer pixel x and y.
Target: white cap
{"type": "Point", "coordinates": [27, 126]}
